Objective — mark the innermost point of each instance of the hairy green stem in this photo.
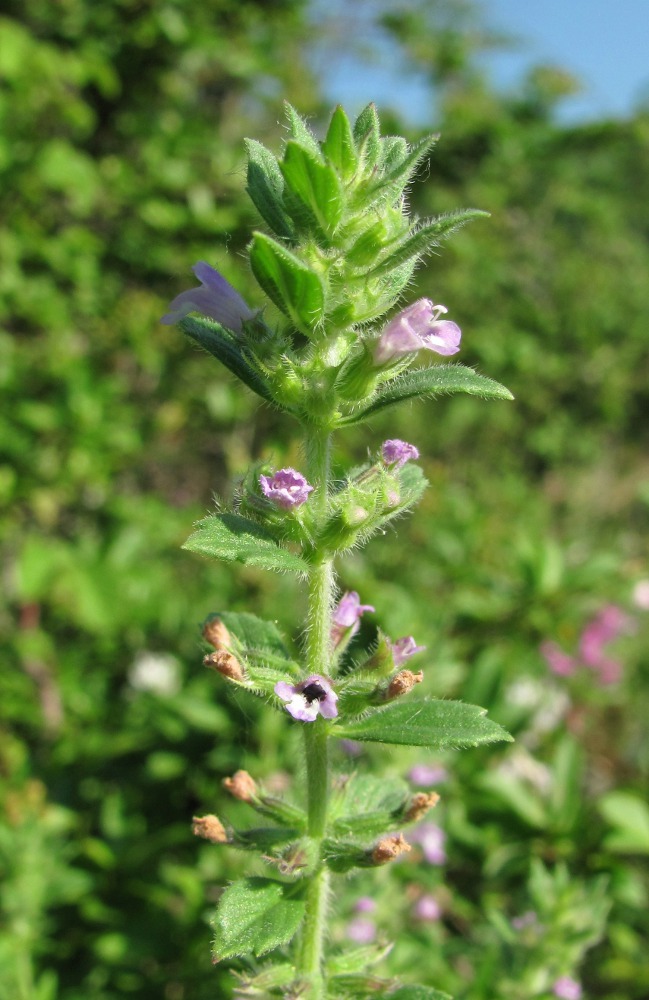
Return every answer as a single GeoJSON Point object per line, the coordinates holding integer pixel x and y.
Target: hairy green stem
{"type": "Point", "coordinates": [318, 656]}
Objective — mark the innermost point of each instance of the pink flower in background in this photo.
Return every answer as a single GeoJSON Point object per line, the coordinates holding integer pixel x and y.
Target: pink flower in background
{"type": "Point", "coordinates": [567, 988]}
{"type": "Point", "coordinates": [416, 327]}
{"type": "Point", "coordinates": [427, 774]}
{"type": "Point", "coordinates": [431, 838]}
{"type": "Point", "coordinates": [558, 661]}
{"type": "Point", "coordinates": [360, 929]}
{"type": "Point", "coordinates": [427, 909]}
{"type": "Point", "coordinates": [607, 625]}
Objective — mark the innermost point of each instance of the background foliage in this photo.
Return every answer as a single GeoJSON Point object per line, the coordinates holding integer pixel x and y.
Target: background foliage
{"type": "Point", "coordinates": [122, 164]}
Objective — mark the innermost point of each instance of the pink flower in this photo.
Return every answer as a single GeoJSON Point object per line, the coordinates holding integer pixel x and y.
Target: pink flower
{"type": "Point", "coordinates": [416, 327]}
{"type": "Point", "coordinates": [286, 488]}
{"type": "Point", "coordinates": [361, 930]}
{"type": "Point", "coordinates": [426, 775]}
{"type": "Point", "coordinates": [431, 839]}
{"type": "Point", "coordinates": [427, 909]}
{"type": "Point", "coordinates": [346, 617]}
{"type": "Point", "coordinates": [403, 649]}
{"type": "Point", "coordinates": [396, 452]}
{"type": "Point", "coordinates": [567, 988]}
{"type": "Point", "coordinates": [308, 699]}
{"type": "Point", "coordinates": [215, 298]}
{"type": "Point", "coordinates": [558, 661]}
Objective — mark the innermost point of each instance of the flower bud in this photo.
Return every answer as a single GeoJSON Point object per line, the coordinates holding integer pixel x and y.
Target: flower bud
{"type": "Point", "coordinates": [209, 828]}
{"type": "Point", "coordinates": [390, 848]}
{"type": "Point", "coordinates": [402, 683]}
{"type": "Point", "coordinates": [242, 786]}
{"type": "Point", "coordinates": [224, 663]}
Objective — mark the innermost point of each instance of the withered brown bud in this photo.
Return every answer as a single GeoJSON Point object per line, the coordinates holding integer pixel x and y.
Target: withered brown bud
{"type": "Point", "coordinates": [242, 786]}
{"type": "Point", "coordinates": [210, 828]}
{"type": "Point", "coordinates": [224, 663]}
{"type": "Point", "coordinates": [404, 681]}
{"type": "Point", "coordinates": [390, 848]}
{"type": "Point", "coordinates": [420, 804]}
{"type": "Point", "coordinates": [215, 632]}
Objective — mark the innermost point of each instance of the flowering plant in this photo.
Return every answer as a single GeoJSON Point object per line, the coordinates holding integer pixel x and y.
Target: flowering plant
{"type": "Point", "coordinates": [343, 249]}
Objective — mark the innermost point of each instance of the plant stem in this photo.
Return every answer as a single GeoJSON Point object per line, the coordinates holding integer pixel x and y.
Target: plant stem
{"type": "Point", "coordinates": [318, 656]}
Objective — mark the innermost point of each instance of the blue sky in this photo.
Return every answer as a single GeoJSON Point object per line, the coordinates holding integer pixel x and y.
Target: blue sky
{"type": "Point", "coordinates": [604, 43]}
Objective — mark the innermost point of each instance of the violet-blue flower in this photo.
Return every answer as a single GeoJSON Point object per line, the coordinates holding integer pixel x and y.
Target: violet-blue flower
{"type": "Point", "coordinates": [309, 698]}
{"type": "Point", "coordinates": [396, 452]}
{"type": "Point", "coordinates": [416, 327]}
{"type": "Point", "coordinates": [286, 488]}
{"type": "Point", "coordinates": [427, 908]}
{"type": "Point", "coordinates": [361, 930]}
{"type": "Point", "coordinates": [403, 649]}
{"type": "Point", "coordinates": [215, 297]}
{"type": "Point", "coordinates": [427, 774]}
{"type": "Point", "coordinates": [346, 616]}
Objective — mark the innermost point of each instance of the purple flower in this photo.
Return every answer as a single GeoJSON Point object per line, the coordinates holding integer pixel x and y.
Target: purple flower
{"type": "Point", "coordinates": [215, 298]}
{"type": "Point", "coordinates": [286, 488]}
{"type": "Point", "coordinates": [403, 649]}
{"type": "Point", "coordinates": [351, 747]}
{"type": "Point", "coordinates": [346, 617]}
{"type": "Point", "coordinates": [308, 699]}
{"type": "Point", "coordinates": [525, 920]}
{"type": "Point", "coordinates": [431, 839]}
{"type": "Point", "coordinates": [395, 452]}
{"type": "Point", "coordinates": [361, 930]}
{"type": "Point", "coordinates": [558, 661]}
{"type": "Point", "coordinates": [365, 904]}
{"type": "Point", "coordinates": [418, 326]}
{"type": "Point", "coordinates": [427, 908]}
{"type": "Point", "coordinates": [567, 988]}
{"type": "Point", "coordinates": [424, 775]}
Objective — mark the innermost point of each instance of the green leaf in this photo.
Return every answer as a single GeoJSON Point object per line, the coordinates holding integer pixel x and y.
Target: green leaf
{"type": "Point", "coordinates": [236, 539]}
{"type": "Point", "coordinates": [439, 725]}
{"type": "Point", "coordinates": [394, 150]}
{"type": "Point", "coordinates": [300, 131]}
{"type": "Point", "coordinates": [390, 185]}
{"type": "Point", "coordinates": [430, 382]}
{"type": "Point", "coordinates": [372, 806]}
{"type": "Point", "coordinates": [346, 963]}
{"type": "Point", "coordinates": [230, 351]}
{"type": "Point", "coordinates": [367, 135]}
{"type": "Point", "coordinates": [292, 286]}
{"type": "Point", "coordinates": [254, 634]}
{"type": "Point", "coordinates": [254, 916]}
{"type": "Point", "coordinates": [424, 239]}
{"type": "Point", "coordinates": [415, 993]}
{"type": "Point", "coordinates": [339, 146]}
{"type": "Point", "coordinates": [629, 815]}
{"type": "Point", "coordinates": [315, 184]}
{"type": "Point", "coordinates": [264, 839]}
{"type": "Point", "coordinates": [266, 188]}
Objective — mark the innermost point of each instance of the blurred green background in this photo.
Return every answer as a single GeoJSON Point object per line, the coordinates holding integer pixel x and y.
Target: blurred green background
{"type": "Point", "coordinates": [122, 164]}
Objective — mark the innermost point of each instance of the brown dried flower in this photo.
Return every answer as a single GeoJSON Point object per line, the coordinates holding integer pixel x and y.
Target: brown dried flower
{"type": "Point", "coordinates": [210, 828]}
{"type": "Point", "coordinates": [242, 786]}
{"type": "Point", "coordinates": [403, 682]}
{"type": "Point", "coordinates": [215, 632]}
{"type": "Point", "coordinates": [225, 663]}
{"type": "Point", "coordinates": [420, 803]}
{"type": "Point", "coordinates": [390, 848]}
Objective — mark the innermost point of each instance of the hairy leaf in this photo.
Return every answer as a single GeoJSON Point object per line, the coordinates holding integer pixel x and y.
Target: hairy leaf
{"type": "Point", "coordinates": [266, 188]}
{"type": "Point", "coordinates": [293, 287]}
{"type": "Point", "coordinates": [429, 382]}
{"type": "Point", "coordinates": [237, 539]}
{"type": "Point", "coordinates": [433, 723]}
{"type": "Point", "coordinates": [229, 350]}
{"type": "Point", "coordinates": [315, 183]}
{"type": "Point", "coordinates": [254, 916]}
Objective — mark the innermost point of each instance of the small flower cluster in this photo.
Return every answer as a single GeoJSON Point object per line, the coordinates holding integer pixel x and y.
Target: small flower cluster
{"type": "Point", "coordinates": [607, 625]}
